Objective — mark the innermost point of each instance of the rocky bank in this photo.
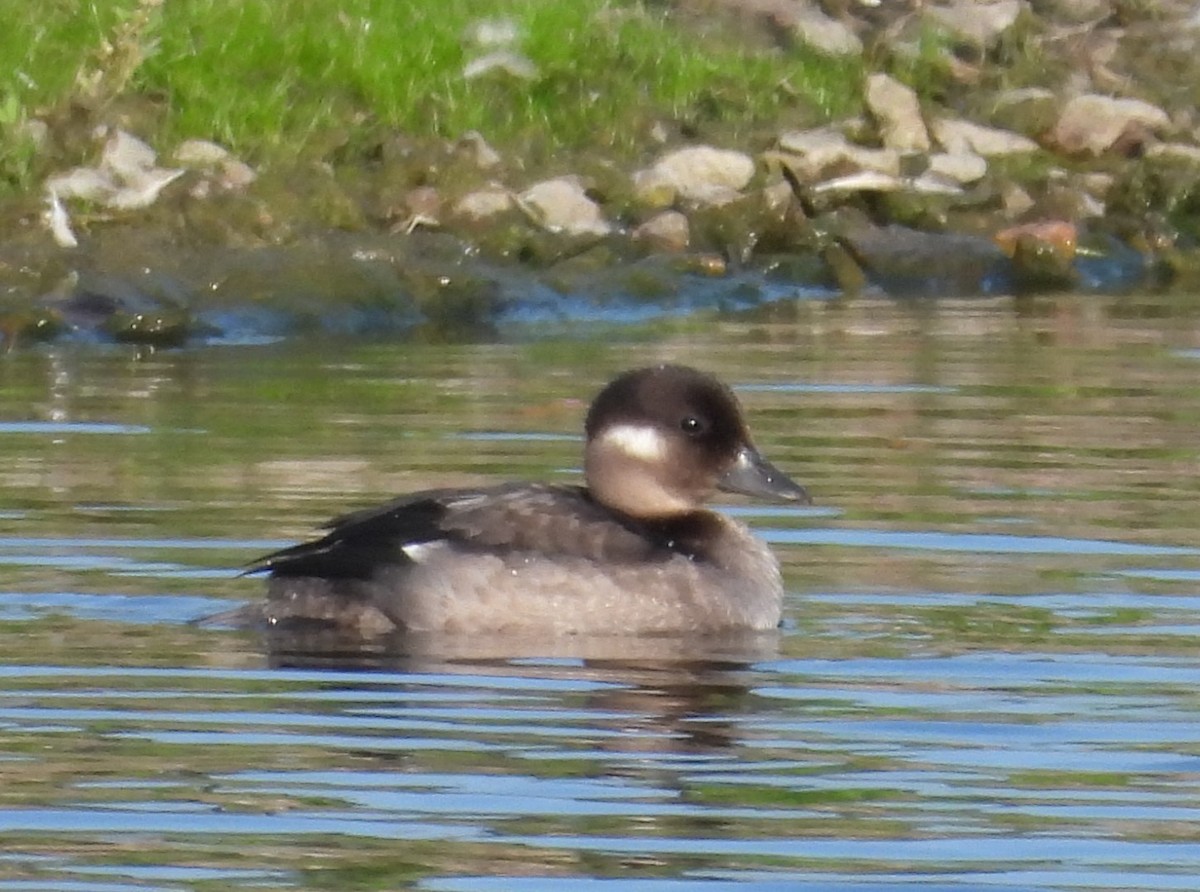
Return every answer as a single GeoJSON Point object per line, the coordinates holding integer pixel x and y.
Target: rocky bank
{"type": "Point", "coordinates": [1004, 146]}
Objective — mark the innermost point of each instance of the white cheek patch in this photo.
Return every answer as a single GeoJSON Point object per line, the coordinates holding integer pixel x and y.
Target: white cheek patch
{"type": "Point", "coordinates": [637, 441]}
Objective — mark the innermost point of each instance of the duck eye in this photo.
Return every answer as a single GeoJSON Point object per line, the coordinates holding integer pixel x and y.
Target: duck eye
{"type": "Point", "coordinates": [692, 426]}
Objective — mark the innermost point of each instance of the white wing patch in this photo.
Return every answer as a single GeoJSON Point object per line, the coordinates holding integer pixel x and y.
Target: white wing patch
{"type": "Point", "coordinates": [420, 552]}
{"type": "Point", "coordinates": [637, 441]}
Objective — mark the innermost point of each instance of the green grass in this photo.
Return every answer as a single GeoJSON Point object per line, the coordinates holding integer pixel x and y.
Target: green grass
{"type": "Point", "coordinates": [274, 79]}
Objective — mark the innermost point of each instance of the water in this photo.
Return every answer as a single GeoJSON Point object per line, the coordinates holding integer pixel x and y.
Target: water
{"type": "Point", "coordinates": [987, 679]}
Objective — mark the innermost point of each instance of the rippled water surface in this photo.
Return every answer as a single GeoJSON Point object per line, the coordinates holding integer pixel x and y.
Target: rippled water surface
{"type": "Point", "coordinates": [989, 676]}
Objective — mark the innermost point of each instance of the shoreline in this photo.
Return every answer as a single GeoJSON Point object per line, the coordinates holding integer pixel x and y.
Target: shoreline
{"type": "Point", "coordinates": [948, 171]}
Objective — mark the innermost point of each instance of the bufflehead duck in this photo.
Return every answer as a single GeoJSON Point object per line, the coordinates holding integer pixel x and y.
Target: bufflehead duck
{"type": "Point", "coordinates": [632, 552]}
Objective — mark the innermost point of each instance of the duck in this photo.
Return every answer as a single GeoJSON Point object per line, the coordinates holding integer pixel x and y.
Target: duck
{"type": "Point", "coordinates": [631, 551]}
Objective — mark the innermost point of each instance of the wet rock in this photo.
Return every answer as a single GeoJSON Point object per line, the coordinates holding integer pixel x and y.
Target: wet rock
{"type": "Point", "coordinates": [963, 137]}
{"type": "Point", "coordinates": [1174, 152]}
{"type": "Point", "coordinates": [126, 156]}
{"type": "Point", "coordinates": [1077, 12]}
{"type": "Point", "coordinates": [980, 22]}
{"type": "Point", "coordinates": [127, 177]}
{"type": "Point", "coordinates": [1093, 124]}
{"type": "Point", "coordinates": [961, 168]}
{"type": "Point", "coordinates": [653, 188]}
{"type": "Point", "coordinates": [485, 203]}
{"type": "Point", "coordinates": [1015, 201]}
{"type": "Point", "coordinates": [1059, 236]}
{"type": "Point", "coordinates": [29, 325]}
{"type": "Point", "coordinates": [704, 174]}
{"type": "Point", "coordinates": [1042, 254]}
{"type": "Point", "coordinates": [200, 153]}
{"type": "Point", "coordinates": [668, 232]}
{"type": "Point", "coordinates": [561, 205]}
{"type": "Point", "coordinates": [86, 183]}
{"type": "Point", "coordinates": [861, 181]}
{"type": "Point", "coordinates": [897, 113]}
{"type": "Point", "coordinates": [1032, 111]}
{"type": "Point", "coordinates": [904, 260]}
{"type": "Point", "coordinates": [226, 171]}
{"type": "Point", "coordinates": [818, 154]}
{"type": "Point", "coordinates": [423, 206]}
{"type": "Point", "coordinates": [477, 149]}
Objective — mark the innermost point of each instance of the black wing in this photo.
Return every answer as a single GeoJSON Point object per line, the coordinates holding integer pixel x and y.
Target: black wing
{"type": "Point", "coordinates": [547, 519]}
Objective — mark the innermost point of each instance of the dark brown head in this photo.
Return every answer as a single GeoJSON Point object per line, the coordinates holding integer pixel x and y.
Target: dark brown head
{"type": "Point", "coordinates": [661, 440]}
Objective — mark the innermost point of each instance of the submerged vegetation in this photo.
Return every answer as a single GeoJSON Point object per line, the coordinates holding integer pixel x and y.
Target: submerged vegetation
{"type": "Point", "coordinates": [280, 79]}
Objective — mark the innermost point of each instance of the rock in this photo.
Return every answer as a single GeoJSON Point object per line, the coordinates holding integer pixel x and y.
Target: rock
{"type": "Point", "coordinates": [653, 188]}
{"type": "Point", "coordinates": [476, 147]}
{"type": "Point", "coordinates": [1060, 236]}
{"type": "Point", "coordinates": [1174, 152]}
{"type": "Point", "coordinates": [86, 183]}
{"type": "Point", "coordinates": [933, 183]}
{"type": "Point", "coordinates": [561, 205]}
{"type": "Point", "coordinates": [1042, 253]}
{"type": "Point", "coordinates": [483, 205]}
{"type": "Point", "coordinates": [817, 154]}
{"type": "Point", "coordinates": [1077, 12]}
{"type": "Point", "coordinates": [142, 191]}
{"type": "Point", "coordinates": [906, 260]}
{"type": "Point", "coordinates": [200, 153]}
{"type": "Point", "coordinates": [126, 178]}
{"type": "Point", "coordinates": [862, 181]}
{"type": "Point", "coordinates": [1015, 201]}
{"type": "Point", "coordinates": [963, 137]}
{"type": "Point", "coordinates": [236, 175]}
{"type": "Point", "coordinates": [667, 232]}
{"type": "Point", "coordinates": [1094, 124]}
{"type": "Point", "coordinates": [958, 167]}
{"type": "Point", "coordinates": [1030, 110]}
{"type": "Point", "coordinates": [898, 114]}
{"type": "Point", "coordinates": [981, 22]}
{"type": "Point", "coordinates": [826, 35]}
{"type": "Point", "coordinates": [424, 207]}
{"type": "Point", "coordinates": [127, 156]}
{"type": "Point", "coordinates": [704, 174]}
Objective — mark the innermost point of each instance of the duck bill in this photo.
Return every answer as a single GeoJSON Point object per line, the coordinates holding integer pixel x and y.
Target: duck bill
{"type": "Point", "coordinates": [753, 475]}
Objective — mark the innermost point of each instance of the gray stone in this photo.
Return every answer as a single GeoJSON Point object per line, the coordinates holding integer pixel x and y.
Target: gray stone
{"type": "Point", "coordinates": [963, 137]}
{"type": "Point", "coordinates": [981, 22]}
{"type": "Point", "coordinates": [200, 153]}
{"type": "Point", "coordinates": [817, 154]}
{"type": "Point", "coordinates": [1173, 151]}
{"type": "Point", "coordinates": [958, 167]}
{"type": "Point", "coordinates": [898, 114]}
{"type": "Point", "coordinates": [1029, 110]}
{"type": "Point", "coordinates": [668, 232]}
{"type": "Point", "coordinates": [86, 183]}
{"type": "Point", "coordinates": [484, 204]}
{"type": "Point", "coordinates": [704, 174]}
{"type": "Point", "coordinates": [484, 156]}
{"type": "Point", "coordinates": [824, 34]}
{"type": "Point", "coordinates": [127, 156]}
{"type": "Point", "coordinates": [653, 188]}
{"type": "Point", "coordinates": [1093, 124]}
{"type": "Point", "coordinates": [561, 205]}
{"type": "Point", "coordinates": [230, 173]}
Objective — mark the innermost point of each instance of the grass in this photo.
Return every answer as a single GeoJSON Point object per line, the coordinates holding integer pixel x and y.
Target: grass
{"type": "Point", "coordinates": [279, 79]}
